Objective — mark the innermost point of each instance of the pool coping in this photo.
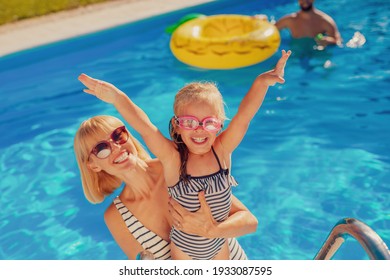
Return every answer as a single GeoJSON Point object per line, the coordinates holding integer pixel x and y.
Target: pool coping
{"type": "Point", "coordinates": [51, 28]}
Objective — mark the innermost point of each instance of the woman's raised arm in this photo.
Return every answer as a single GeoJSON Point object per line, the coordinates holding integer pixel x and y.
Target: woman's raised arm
{"type": "Point", "coordinates": [160, 146]}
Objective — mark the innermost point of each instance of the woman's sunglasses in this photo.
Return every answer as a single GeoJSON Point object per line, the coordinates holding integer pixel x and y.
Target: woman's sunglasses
{"type": "Point", "coordinates": [103, 149]}
{"type": "Point", "coordinates": [191, 123]}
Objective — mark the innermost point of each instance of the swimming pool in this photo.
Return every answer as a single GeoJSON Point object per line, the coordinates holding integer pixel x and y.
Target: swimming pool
{"type": "Point", "coordinates": [317, 151]}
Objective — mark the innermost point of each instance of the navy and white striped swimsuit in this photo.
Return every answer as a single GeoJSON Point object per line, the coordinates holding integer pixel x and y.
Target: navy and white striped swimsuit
{"type": "Point", "coordinates": [217, 188]}
{"type": "Point", "coordinates": [148, 239]}
{"type": "Point", "coordinates": [158, 246]}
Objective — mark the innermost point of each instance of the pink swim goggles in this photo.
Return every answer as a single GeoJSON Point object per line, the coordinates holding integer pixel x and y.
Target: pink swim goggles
{"type": "Point", "coordinates": [191, 123]}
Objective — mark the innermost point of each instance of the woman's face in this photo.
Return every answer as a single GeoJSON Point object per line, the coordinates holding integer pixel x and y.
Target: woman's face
{"type": "Point", "coordinates": [199, 140]}
{"type": "Point", "coordinates": [114, 153]}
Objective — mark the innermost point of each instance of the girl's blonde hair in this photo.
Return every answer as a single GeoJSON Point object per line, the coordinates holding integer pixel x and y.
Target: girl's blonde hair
{"type": "Point", "coordinates": [197, 92]}
{"type": "Point", "coordinates": [97, 185]}
{"type": "Point", "coordinates": [194, 93]}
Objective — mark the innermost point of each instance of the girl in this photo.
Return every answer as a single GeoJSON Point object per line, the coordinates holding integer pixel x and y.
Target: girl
{"type": "Point", "coordinates": [198, 158]}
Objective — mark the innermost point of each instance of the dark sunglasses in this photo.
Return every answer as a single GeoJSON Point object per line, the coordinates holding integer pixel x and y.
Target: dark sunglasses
{"type": "Point", "coordinates": [103, 149]}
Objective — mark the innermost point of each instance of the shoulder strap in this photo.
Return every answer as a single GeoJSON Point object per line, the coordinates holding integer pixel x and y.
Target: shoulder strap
{"type": "Point", "coordinates": [215, 154]}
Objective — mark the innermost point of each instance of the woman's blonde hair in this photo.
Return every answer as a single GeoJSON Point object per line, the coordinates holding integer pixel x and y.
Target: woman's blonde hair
{"type": "Point", "coordinates": [194, 93]}
{"type": "Point", "coordinates": [97, 185]}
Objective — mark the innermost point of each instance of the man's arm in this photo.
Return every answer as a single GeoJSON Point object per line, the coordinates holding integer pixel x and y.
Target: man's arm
{"type": "Point", "coordinates": [332, 33]}
{"type": "Point", "coordinates": [284, 22]}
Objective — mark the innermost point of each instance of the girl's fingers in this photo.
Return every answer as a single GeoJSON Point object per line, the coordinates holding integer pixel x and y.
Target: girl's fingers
{"type": "Point", "coordinates": [276, 79]}
{"type": "Point", "coordinates": [279, 69]}
{"type": "Point", "coordinates": [280, 80]}
{"type": "Point", "coordinates": [282, 61]}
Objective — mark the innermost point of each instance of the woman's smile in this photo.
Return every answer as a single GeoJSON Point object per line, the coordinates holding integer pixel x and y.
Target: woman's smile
{"type": "Point", "coordinates": [122, 157]}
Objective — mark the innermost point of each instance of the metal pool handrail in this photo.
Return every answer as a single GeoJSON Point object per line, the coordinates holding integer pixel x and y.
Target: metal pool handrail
{"type": "Point", "coordinates": [367, 237]}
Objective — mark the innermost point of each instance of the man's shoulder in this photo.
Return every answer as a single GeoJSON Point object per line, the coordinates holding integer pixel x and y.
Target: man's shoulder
{"type": "Point", "coordinates": [291, 16]}
{"type": "Point", "coordinates": [286, 20]}
{"type": "Point", "coordinates": [324, 16]}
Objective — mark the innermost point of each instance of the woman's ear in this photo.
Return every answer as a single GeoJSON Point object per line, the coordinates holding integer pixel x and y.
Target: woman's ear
{"type": "Point", "coordinates": [93, 166]}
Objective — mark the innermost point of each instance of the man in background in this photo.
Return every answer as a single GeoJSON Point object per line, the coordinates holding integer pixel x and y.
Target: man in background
{"type": "Point", "coordinates": [311, 23]}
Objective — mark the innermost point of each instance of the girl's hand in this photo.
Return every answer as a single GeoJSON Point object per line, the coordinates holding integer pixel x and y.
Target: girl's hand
{"type": "Point", "coordinates": [101, 89]}
{"type": "Point", "coordinates": [200, 223]}
{"type": "Point", "coordinates": [276, 75]}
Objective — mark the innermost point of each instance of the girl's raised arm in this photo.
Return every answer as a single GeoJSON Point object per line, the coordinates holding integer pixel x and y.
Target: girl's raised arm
{"type": "Point", "coordinates": [160, 146]}
{"type": "Point", "coordinates": [251, 103]}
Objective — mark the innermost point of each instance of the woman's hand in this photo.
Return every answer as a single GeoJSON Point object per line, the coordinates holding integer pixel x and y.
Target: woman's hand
{"type": "Point", "coordinates": [101, 89]}
{"type": "Point", "coordinates": [275, 75]}
{"type": "Point", "coordinates": [199, 223]}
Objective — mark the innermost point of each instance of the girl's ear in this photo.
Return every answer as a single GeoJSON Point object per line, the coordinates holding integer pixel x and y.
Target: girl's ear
{"type": "Point", "coordinates": [173, 122]}
{"type": "Point", "coordinates": [93, 166]}
{"type": "Point", "coordinates": [220, 130]}
{"type": "Point", "coordinates": [174, 125]}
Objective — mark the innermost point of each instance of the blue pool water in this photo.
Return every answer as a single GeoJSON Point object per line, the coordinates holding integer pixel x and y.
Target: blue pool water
{"type": "Point", "coordinates": [317, 151]}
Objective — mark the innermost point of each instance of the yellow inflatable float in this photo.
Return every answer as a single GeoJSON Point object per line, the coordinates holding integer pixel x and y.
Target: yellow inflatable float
{"type": "Point", "coordinates": [224, 41]}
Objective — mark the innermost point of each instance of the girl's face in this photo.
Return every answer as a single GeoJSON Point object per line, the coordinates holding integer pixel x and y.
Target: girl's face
{"type": "Point", "coordinates": [199, 140]}
{"type": "Point", "coordinates": [114, 153]}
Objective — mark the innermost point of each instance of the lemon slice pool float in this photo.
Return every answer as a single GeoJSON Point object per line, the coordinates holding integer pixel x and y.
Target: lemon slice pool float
{"type": "Point", "coordinates": [224, 41]}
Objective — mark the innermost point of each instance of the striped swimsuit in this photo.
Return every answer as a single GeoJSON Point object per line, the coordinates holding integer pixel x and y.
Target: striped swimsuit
{"type": "Point", "coordinates": [217, 189]}
{"type": "Point", "coordinates": [148, 239]}
{"type": "Point", "coordinates": [158, 246]}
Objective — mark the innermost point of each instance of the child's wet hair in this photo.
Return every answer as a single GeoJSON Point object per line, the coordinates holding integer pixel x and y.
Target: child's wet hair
{"type": "Point", "coordinates": [197, 92]}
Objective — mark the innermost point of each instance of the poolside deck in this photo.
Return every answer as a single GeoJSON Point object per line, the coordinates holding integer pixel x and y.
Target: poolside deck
{"type": "Point", "coordinates": [33, 32]}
